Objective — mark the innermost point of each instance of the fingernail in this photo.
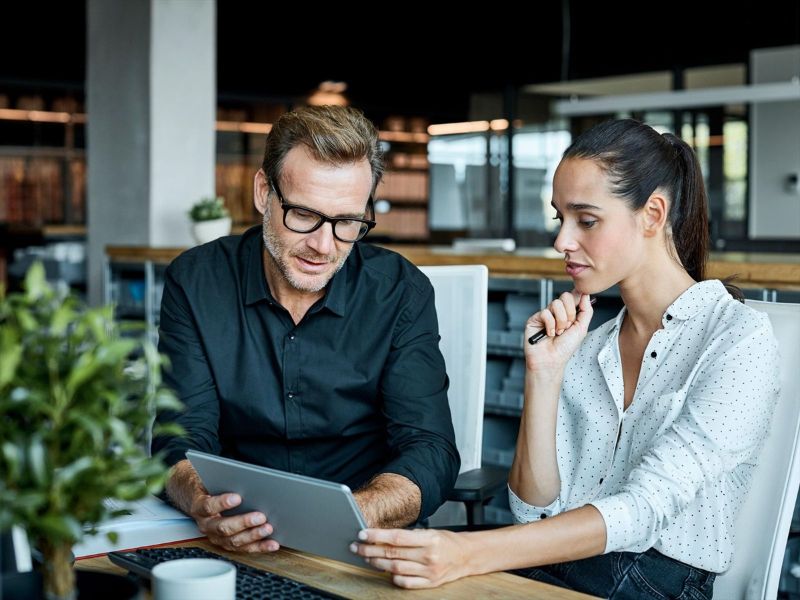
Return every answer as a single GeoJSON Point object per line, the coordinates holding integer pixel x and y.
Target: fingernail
{"type": "Point", "coordinates": [560, 331]}
{"type": "Point", "coordinates": [233, 500]}
{"type": "Point", "coordinates": [265, 531]}
{"type": "Point", "coordinates": [257, 520]}
{"type": "Point", "coordinates": [362, 535]}
{"type": "Point", "coordinates": [354, 548]}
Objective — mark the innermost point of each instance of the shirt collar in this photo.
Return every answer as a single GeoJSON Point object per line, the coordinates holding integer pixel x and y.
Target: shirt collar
{"type": "Point", "coordinates": [685, 306]}
{"type": "Point", "coordinates": [254, 283]}
{"type": "Point", "coordinates": [693, 300]}
{"type": "Point", "coordinates": [336, 297]}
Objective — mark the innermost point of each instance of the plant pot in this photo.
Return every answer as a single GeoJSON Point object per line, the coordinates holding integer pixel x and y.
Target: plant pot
{"type": "Point", "coordinates": [208, 231]}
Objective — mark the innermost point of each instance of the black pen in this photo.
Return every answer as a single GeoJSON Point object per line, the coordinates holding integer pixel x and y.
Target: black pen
{"type": "Point", "coordinates": [536, 337]}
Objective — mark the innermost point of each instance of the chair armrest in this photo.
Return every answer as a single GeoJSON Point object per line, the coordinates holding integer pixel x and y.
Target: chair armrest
{"type": "Point", "coordinates": [479, 485]}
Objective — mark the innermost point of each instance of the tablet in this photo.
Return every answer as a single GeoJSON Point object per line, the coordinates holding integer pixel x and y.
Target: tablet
{"type": "Point", "coordinates": [308, 514]}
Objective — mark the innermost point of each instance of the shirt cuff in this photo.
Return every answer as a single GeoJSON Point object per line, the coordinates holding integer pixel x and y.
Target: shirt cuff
{"type": "Point", "coordinates": [619, 523]}
{"type": "Point", "coordinates": [525, 513]}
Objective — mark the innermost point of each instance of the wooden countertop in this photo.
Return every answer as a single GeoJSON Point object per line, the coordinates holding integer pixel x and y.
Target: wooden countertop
{"type": "Point", "coordinates": [354, 582]}
{"type": "Point", "coordinates": [768, 270]}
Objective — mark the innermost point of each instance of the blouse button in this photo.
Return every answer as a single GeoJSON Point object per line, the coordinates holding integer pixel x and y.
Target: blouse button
{"type": "Point", "coordinates": [669, 317]}
{"type": "Point", "coordinates": [601, 481]}
{"type": "Point", "coordinates": [653, 354]}
{"type": "Point", "coordinates": [543, 516]}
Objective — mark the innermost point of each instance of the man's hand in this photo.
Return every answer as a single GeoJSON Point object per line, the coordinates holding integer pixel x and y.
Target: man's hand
{"type": "Point", "coordinates": [239, 533]}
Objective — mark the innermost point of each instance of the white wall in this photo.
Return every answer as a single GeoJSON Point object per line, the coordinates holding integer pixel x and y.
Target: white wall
{"type": "Point", "coordinates": [775, 149]}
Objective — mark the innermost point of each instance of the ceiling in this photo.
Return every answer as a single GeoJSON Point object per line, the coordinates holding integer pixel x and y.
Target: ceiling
{"type": "Point", "coordinates": [412, 64]}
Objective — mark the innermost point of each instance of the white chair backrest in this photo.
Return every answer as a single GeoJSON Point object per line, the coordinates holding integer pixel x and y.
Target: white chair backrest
{"type": "Point", "coordinates": [762, 527]}
{"type": "Point", "coordinates": [461, 303]}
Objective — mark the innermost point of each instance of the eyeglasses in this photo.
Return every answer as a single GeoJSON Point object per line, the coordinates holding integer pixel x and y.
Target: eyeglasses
{"type": "Point", "coordinates": [301, 219]}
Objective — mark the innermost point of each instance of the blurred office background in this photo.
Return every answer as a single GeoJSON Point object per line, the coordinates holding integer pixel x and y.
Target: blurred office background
{"type": "Point", "coordinates": [115, 116]}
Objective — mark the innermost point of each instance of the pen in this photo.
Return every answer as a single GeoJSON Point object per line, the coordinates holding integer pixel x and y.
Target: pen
{"type": "Point", "coordinates": [543, 333]}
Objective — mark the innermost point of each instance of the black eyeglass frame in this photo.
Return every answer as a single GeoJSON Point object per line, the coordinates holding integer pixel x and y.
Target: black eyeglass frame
{"type": "Point", "coordinates": [323, 218]}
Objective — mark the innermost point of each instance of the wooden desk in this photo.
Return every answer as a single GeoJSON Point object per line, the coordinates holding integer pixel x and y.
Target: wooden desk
{"type": "Point", "coordinates": [354, 582]}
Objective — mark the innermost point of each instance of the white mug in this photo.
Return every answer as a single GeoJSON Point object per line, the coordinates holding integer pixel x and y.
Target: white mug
{"type": "Point", "coordinates": [195, 578]}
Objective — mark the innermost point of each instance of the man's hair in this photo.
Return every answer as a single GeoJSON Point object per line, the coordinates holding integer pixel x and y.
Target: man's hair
{"type": "Point", "coordinates": [336, 135]}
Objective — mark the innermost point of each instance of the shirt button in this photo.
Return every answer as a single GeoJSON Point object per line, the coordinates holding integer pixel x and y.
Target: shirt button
{"type": "Point", "coordinates": [291, 396]}
{"type": "Point", "coordinates": [543, 516]}
{"type": "Point", "coordinates": [601, 480]}
{"type": "Point", "coordinates": [653, 354]}
{"type": "Point", "coordinates": [291, 336]}
{"type": "Point", "coordinates": [669, 317]}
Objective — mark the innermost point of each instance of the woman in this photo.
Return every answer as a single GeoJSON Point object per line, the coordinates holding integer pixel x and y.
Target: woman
{"type": "Point", "coordinates": [638, 440]}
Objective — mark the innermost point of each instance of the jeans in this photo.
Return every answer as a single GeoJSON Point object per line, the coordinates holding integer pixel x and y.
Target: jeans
{"type": "Point", "coordinates": [628, 576]}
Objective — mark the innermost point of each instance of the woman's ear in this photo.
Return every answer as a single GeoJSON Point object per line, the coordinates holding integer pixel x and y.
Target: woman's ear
{"type": "Point", "coordinates": [654, 214]}
{"type": "Point", "coordinates": [260, 191]}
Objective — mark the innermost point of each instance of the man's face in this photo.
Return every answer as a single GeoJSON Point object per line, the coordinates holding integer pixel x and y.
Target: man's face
{"type": "Point", "coordinates": [308, 261]}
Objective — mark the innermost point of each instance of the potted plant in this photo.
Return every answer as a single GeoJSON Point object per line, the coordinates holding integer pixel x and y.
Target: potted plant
{"type": "Point", "coordinates": [77, 399]}
{"type": "Point", "coordinates": [210, 219]}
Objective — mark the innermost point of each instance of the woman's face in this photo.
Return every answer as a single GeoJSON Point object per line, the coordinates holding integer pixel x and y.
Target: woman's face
{"type": "Point", "coordinates": [600, 235]}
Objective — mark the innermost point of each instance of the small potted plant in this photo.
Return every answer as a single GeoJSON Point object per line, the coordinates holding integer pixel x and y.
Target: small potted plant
{"type": "Point", "coordinates": [77, 399]}
{"type": "Point", "coordinates": [210, 219]}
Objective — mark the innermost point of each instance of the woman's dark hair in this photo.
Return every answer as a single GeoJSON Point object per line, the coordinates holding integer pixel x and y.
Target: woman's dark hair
{"type": "Point", "coordinates": [638, 160]}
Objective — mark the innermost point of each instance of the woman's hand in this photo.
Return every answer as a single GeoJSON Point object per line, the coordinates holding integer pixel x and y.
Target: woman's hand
{"type": "Point", "coordinates": [566, 322]}
{"type": "Point", "coordinates": [417, 558]}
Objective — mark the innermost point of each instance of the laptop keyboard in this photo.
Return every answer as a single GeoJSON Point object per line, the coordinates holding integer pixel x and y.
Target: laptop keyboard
{"type": "Point", "coordinates": [251, 583]}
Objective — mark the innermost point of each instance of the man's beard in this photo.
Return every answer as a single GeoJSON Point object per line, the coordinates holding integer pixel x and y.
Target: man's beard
{"type": "Point", "coordinates": [277, 251]}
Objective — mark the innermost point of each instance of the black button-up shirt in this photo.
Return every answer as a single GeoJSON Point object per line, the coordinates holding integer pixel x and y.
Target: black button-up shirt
{"type": "Point", "coordinates": [357, 388]}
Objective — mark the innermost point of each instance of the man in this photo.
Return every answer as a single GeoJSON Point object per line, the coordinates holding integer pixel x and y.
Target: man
{"type": "Point", "coordinates": [295, 347]}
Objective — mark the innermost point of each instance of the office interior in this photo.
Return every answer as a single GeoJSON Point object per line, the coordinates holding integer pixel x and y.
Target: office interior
{"type": "Point", "coordinates": [123, 114]}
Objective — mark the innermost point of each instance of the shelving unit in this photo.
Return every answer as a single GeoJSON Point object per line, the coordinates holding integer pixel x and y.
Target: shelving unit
{"type": "Point", "coordinates": [405, 187]}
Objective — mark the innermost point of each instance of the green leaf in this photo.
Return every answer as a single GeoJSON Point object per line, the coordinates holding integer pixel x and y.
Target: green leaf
{"type": "Point", "coordinates": [27, 321]}
{"type": "Point", "coordinates": [35, 283]}
{"type": "Point", "coordinates": [61, 527]}
{"type": "Point", "coordinates": [37, 463]}
{"type": "Point", "coordinates": [13, 456]}
{"type": "Point", "coordinates": [91, 426]}
{"type": "Point", "coordinates": [10, 355]}
{"type": "Point", "coordinates": [168, 429]}
{"type": "Point", "coordinates": [66, 475]}
{"type": "Point", "coordinates": [85, 368]}
{"type": "Point", "coordinates": [63, 316]}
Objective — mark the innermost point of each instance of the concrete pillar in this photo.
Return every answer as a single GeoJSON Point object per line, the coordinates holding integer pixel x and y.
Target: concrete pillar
{"type": "Point", "coordinates": [151, 105]}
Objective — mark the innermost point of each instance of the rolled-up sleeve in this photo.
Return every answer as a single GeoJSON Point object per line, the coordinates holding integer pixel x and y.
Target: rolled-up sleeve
{"type": "Point", "coordinates": [414, 390]}
{"type": "Point", "coordinates": [722, 426]}
{"type": "Point", "coordinates": [188, 375]}
{"type": "Point", "coordinates": [525, 513]}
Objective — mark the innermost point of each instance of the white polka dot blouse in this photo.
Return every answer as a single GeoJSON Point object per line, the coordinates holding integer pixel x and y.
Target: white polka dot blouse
{"type": "Point", "coordinates": [671, 471]}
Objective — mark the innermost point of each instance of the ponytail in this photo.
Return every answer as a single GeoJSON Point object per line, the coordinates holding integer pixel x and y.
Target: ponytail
{"type": "Point", "coordinates": [689, 210]}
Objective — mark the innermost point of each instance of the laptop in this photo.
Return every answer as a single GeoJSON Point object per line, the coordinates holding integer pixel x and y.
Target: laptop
{"type": "Point", "coordinates": [308, 514]}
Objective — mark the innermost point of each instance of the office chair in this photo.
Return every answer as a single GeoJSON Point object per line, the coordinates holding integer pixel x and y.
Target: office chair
{"type": "Point", "coordinates": [762, 526]}
{"type": "Point", "coordinates": [461, 299]}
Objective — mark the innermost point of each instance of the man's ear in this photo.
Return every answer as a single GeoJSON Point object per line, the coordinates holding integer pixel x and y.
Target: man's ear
{"type": "Point", "coordinates": [261, 191]}
{"type": "Point", "coordinates": [654, 214]}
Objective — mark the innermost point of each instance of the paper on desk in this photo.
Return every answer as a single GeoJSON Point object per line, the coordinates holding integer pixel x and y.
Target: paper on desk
{"type": "Point", "coordinates": [151, 522]}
